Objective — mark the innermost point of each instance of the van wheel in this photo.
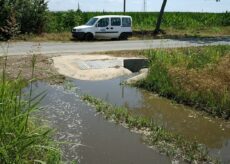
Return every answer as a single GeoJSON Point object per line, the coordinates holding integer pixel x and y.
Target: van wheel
{"type": "Point", "coordinates": [123, 36]}
{"type": "Point", "coordinates": [89, 36]}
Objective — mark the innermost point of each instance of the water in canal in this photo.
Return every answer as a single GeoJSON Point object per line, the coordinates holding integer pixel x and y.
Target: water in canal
{"type": "Point", "coordinates": [89, 138]}
{"type": "Point", "coordinates": [213, 132]}
{"type": "Point", "coordinates": [105, 142]}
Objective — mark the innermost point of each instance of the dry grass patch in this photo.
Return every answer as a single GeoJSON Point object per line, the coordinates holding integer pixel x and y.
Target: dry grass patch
{"type": "Point", "coordinates": [44, 69]}
{"type": "Point", "coordinates": [215, 77]}
{"type": "Point", "coordinates": [62, 36]}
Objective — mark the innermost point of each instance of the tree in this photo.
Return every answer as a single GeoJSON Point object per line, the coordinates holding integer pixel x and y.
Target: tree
{"type": "Point", "coordinates": [24, 16]}
{"type": "Point", "coordinates": [10, 27]}
{"type": "Point", "coordinates": [32, 16]}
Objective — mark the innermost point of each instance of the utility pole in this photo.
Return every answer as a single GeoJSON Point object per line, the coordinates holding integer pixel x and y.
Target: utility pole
{"type": "Point", "coordinates": [78, 7]}
{"type": "Point", "coordinates": [159, 20]}
{"type": "Point", "coordinates": [145, 5]}
{"type": "Point", "coordinates": [124, 6]}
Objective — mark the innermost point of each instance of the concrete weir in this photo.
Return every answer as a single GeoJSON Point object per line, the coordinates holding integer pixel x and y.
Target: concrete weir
{"type": "Point", "coordinates": [135, 65]}
{"type": "Point", "coordinates": [98, 67]}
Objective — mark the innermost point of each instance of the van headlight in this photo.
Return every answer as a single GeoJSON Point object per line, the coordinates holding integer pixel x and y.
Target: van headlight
{"type": "Point", "coordinates": [77, 30]}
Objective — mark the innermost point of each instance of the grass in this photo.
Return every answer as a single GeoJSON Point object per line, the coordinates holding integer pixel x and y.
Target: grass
{"type": "Point", "coordinates": [137, 35]}
{"type": "Point", "coordinates": [22, 140]}
{"type": "Point", "coordinates": [61, 36]}
{"type": "Point", "coordinates": [194, 76]}
{"type": "Point", "coordinates": [166, 142]}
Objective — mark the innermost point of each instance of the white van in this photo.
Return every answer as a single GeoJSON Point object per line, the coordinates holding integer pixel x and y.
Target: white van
{"type": "Point", "coordinates": [105, 27]}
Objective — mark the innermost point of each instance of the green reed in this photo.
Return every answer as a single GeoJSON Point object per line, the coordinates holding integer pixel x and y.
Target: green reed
{"type": "Point", "coordinates": [21, 139]}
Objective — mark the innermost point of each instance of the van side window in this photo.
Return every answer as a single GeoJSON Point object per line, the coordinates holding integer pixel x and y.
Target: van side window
{"type": "Point", "coordinates": [126, 22]}
{"type": "Point", "coordinates": [104, 22]}
{"type": "Point", "coordinates": [115, 21]}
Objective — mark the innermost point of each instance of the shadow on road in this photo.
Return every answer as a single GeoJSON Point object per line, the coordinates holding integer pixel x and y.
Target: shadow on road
{"type": "Point", "coordinates": [207, 40]}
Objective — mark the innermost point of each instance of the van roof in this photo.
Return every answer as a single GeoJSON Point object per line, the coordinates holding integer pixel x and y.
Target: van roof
{"type": "Point", "coordinates": [108, 16]}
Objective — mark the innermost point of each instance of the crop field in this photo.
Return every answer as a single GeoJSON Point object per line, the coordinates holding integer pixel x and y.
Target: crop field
{"type": "Point", "coordinates": [64, 21]}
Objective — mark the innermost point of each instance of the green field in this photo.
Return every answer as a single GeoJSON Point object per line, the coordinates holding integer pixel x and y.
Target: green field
{"type": "Point", "coordinates": [64, 21]}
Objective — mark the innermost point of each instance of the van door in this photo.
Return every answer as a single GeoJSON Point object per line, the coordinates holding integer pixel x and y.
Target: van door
{"type": "Point", "coordinates": [126, 25]}
{"type": "Point", "coordinates": [115, 27]}
{"type": "Point", "coordinates": [102, 28]}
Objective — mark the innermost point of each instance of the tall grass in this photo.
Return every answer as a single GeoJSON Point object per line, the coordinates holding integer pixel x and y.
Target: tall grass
{"type": "Point", "coordinates": [64, 21]}
{"type": "Point", "coordinates": [21, 139]}
{"type": "Point", "coordinates": [194, 76]}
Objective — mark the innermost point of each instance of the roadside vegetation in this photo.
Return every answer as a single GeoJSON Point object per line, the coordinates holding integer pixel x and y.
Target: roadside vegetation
{"type": "Point", "coordinates": [173, 145]}
{"type": "Point", "coordinates": [23, 138]}
{"type": "Point", "coordinates": [175, 25]}
{"type": "Point", "coordinates": [31, 20]}
{"type": "Point", "coordinates": [197, 76]}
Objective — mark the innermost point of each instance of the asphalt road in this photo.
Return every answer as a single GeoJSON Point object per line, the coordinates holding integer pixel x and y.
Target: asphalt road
{"type": "Point", "coordinates": [65, 48]}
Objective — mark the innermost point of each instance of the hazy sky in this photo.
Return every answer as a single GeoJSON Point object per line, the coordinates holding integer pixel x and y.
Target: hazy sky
{"type": "Point", "coordinates": [137, 5]}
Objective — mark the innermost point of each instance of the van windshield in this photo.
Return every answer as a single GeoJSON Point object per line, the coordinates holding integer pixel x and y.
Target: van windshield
{"type": "Point", "coordinates": [91, 22]}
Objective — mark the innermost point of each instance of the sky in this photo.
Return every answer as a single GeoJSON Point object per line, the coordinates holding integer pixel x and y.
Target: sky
{"type": "Point", "coordinates": [137, 5]}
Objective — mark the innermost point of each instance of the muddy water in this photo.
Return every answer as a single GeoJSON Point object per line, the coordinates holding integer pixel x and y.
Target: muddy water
{"type": "Point", "coordinates": [101, 142]}
{"type": "Point", "coordinates": [214, 133]}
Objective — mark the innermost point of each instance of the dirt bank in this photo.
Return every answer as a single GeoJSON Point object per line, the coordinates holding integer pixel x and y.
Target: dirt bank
{"type": "Point", "coordinates": [22, 65]}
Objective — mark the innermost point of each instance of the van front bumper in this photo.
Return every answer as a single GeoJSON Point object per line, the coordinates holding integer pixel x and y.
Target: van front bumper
{"type": "Point", "coordinates": [78, 35]}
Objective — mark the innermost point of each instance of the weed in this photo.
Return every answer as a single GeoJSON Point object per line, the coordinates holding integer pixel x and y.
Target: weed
{"type": "Point", "coordinates": [21, 140]}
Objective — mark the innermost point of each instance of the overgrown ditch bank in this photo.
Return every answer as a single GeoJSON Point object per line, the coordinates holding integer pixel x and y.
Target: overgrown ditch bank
{"type": "Point", "coordinates": [198, 77]}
